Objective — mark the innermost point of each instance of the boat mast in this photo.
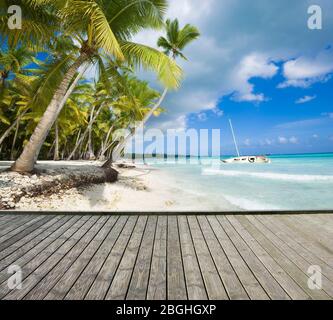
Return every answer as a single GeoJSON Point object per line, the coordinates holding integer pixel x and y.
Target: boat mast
{"type": "Point", "coordinates": [233, 135]}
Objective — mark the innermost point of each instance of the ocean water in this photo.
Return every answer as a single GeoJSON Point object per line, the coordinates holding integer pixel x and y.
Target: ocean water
{"type": "Point", "coordinates": [290, 182]}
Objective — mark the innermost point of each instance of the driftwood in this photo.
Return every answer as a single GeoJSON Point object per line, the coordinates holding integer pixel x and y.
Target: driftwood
{"type": "Point", "coordinates": [48, 183]}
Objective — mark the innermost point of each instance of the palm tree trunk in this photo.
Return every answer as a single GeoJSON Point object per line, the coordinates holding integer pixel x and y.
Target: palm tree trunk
{"type": "Point", "coordinates": [105, 145]}
{"type": "Point", "coordinates": [91, 155]}
{"type": "Point", "coordinates": [7, 132]}
{"type": "Point", "coordinates": [56, 147]}
{"type": "Point", "coordinates": [26, 162]}
{"type": "Point", "coordinates": [157, 105]}
{"type": "Point", "coordinates": [50, 150]}
{"type": "Point", "coordinates": [12, 152]}
{"type": "Point", "coordinates": [65, 98]}
{"type": "Point", "coordinates": [117, 151]}
{"type": "Point", "coordinates": [72, 87]}
{"type": "Point", "coordinates": [91, 122]}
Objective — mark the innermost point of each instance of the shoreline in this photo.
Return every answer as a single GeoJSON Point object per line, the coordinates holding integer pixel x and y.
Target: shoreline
{"type": "Point", "coordinates": [140, 188]}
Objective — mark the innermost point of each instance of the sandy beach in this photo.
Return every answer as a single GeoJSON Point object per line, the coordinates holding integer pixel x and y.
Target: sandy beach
{"type": "Point", "coordinates": [140, 188]}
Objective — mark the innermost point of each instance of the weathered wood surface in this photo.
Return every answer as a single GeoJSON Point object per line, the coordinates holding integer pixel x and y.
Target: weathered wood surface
{"type": "Point", "coordinates": [166, 257]}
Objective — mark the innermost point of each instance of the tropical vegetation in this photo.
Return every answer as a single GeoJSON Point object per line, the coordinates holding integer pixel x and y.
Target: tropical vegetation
{"type": "Point", "coordinates": [68, 78]}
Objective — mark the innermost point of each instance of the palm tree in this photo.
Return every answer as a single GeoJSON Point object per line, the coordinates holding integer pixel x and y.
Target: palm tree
{"type": "Point", "coordinates": [12, 62]}
{"type": "Point", "coordinates": [173, 44]}
{"type": "Point", "coordinates": [100, 28]}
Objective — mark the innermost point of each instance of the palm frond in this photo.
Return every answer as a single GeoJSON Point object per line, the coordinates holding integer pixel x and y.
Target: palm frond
{"type": "Point", "coordinates": [169, 73]}
{"type": "Point", "coordinates": [186, 35]}
{"type": "Point", "coordinates": [128, 17]}
{"type": "Point", "coordinates": [100, 34]}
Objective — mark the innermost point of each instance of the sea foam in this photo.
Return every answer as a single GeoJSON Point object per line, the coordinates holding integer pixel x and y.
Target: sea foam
{"type": "Point", "coordinates": [269, 175]}
{"type": "Point", "coordinates": [250, 205]}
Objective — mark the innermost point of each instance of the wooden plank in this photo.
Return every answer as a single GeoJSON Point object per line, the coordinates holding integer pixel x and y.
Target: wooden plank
{"type": "Point", "coordinates": [306, 240]}
{"type": "Point", "coordinates": [16, 228]}
{"type": "Point", "coordinates": [61, 263]}
{"type": "Point", "coordinates": [21, 233]}
{"type": "Point", "coordinates": [176, 288]}
{"type": "Point", "coordinates": [327, 218]}
{"type": "Point", "coordinates": [46, 261]}
{"type": "Point", "coordinates": [105, 276]}
{"type": "Point", "coordinates": [267, 281]}
{"type": "Point", "coordinates": [166, 257]}
{"type": "Point", "coordinates": [13, 222]}
{"type": "Point", "coordinates": [84, 256]}
{"type": "Point", "coordinates": [157, 280]}
{"type": "Point", "coordinates": [286, 282]}
{"type": "Point", "coordinates": [122, 278]}
{"type": "Point", "coordinates": [213, 283]}
{"type": "Point", "coordinates": [291, 254]}
{"type": "Point", "coordinates": [17, 223]}
{"type": "Point", "coordinates": [314, 223]}
{"type": "Point", "coordinates": [88, 276]}
{"type": "Point", "coordinates": [290, 239]}
{"type": "Point", "coordinates": [194, 281]}
{"type": "Point", "coordinates": [244, 273]}
{"type": "Point", "coordinates": [15, 247]}
{"type": "Point", "coordinates": [228, 275]}
{"type": "Point", "coordinates": [7, 219]}
{"type": "Point", "coordinates": [319, 225]}
{"type": "Point", "coordinates": [140, 277]}
{"type": "Point", "coordinates": [318, 231]}
{"type": "Point", "coordinates": [287, 263]}
{"type": "Point", "coordinates": [37, 253]}
{"type": "Point", "coordinates": [29, 242]}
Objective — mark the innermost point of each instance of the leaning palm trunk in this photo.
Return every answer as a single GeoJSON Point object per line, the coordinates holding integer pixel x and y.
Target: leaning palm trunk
{"type": "Point", "coordinates": [12, 152]}
{"type": "Point", "coordinates": [72, 87]}
{"type": "Point", "coordinates": [91, 122]}
{"type": "Point", "coordinates": [105, 144]}
{"type": "Point", "coordinates": [26, 162]}
{"type": "Point", "coordinates": [121, 146]}
{"type": "Point", "coordinates": [65, 98]}
{"type": "Point", "coordinates": [91, 154]}
{"type": "Point", "coordinates": [13, 125]}
{"type": "Point", "coordinates": [56, 146]}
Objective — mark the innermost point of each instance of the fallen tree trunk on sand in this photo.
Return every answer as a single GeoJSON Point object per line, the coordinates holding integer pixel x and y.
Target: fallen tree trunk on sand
{"type": "Point", "coordinates": [15, 187]}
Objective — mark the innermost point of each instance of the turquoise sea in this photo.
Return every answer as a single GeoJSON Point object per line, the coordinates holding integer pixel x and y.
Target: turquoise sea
{"type": "Point", "coordinates": [290, 182]}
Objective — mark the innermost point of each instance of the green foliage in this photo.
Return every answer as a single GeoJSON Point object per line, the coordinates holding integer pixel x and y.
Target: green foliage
{"type": "Point", "coordinates": [177, 39]}
{"type": "Point", "coordinates": [102, 32]}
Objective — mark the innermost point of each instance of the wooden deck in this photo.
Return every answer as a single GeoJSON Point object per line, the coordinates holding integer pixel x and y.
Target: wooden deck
{"type": "Point", "coordinates": [166, 257]}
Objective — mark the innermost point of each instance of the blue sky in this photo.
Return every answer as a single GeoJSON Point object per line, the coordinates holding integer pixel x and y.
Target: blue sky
{"type": "Point", "coordinates": [291, 120]}
{"type": "Point", "coordinates": [257, 63]}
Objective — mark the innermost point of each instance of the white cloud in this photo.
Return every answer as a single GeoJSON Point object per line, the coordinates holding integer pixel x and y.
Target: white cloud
{"type": "Point", "coordinates": [283, 140]}
{"type": "Point", "coordinates": [301, 124]}
{"type": "Point", "coordinates": [177, 124]}
{"type": "Point", "coordinates": [247, 142]}
{"type": "Point", "coordinates": [305, 99]}
{"type": "Point", "coordinates": [315, 136]}
{"type": "Point", "coordinates": [202, 116]}
{"type": "Point", "coordinates": [219, 113]}
{"type": "Point", "coordinates": [227, 40]}
{"type": "Point", "coordinates": [305, 71]}
{"type": "Point", "coordinates": [293, 140]}
{"type": "Point", "coordinates": [252, 66]}
{"type": "Point", "coordinates": [268, 142]}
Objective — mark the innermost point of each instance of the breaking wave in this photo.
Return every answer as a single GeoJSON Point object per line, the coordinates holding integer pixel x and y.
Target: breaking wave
{"type": "Point", "coordinates": [270, 175]}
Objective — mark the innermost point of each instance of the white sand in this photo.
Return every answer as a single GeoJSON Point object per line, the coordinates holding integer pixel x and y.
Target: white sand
{"type": "Point", "coordinates": [141, 189]}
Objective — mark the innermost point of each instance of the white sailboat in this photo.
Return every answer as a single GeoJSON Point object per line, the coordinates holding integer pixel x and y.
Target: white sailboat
{"type": "Point", "coordinates": [244, 159]}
